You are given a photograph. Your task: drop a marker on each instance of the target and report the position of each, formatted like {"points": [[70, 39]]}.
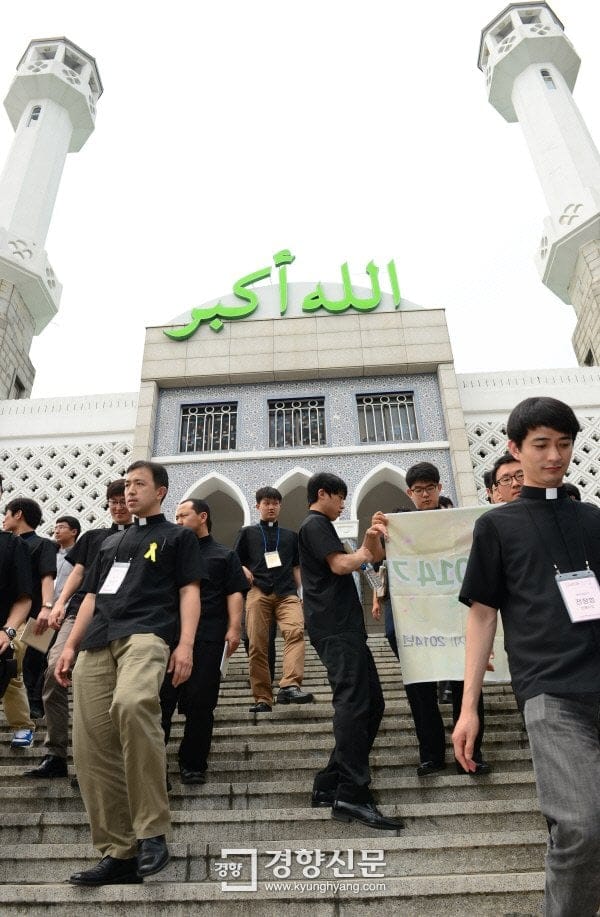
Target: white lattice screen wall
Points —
{"points": [[69, 479], [487, 441]]}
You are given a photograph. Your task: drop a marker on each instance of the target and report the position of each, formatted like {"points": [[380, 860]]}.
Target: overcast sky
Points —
{"points": [[341, 130]]}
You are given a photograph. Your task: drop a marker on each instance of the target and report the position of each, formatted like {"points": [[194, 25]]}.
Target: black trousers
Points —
{"points": [[423, 699], [34, 670], [197, 699], [358, 707]]}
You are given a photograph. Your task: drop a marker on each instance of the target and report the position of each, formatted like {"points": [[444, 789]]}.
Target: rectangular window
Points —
{"points": [[297, 422], [503, 30], [208, 427], [529, 17], [547, 78], [387, 418]]}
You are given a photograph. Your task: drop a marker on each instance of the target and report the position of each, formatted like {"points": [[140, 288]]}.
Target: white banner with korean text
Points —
{"points": [[426, 560]]}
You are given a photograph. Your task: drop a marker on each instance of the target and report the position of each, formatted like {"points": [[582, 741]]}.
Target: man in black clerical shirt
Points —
{"points": [[22, 516], [62, 618], [269, 555], [334, 620], [537, 559], [222, 586], [424, 488], [142, 590], [16, 587]]}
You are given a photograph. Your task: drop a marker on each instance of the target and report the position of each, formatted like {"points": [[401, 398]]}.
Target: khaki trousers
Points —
{"points": [[16, 702], [56, 698], [118, 743], [287, 611]]}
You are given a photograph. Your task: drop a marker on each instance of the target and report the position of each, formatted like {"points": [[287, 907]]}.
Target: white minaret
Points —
{"points": [[530, 68], [52, 106]]}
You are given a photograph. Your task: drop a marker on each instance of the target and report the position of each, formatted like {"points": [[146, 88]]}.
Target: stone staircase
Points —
{"points": [[470, 846]]}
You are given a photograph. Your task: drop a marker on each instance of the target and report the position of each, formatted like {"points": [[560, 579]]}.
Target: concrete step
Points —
{"points": [[487, 895], [390, 856], [246, 826], [454, 856], [399, 788]]}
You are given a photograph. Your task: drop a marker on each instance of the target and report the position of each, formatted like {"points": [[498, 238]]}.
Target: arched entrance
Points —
{"points": [[294, 508], [228, 507]]}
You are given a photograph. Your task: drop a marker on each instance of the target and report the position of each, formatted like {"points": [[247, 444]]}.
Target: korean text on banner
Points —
{"points": [[426, 559]]}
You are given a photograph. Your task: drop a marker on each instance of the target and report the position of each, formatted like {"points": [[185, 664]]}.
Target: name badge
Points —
{"points": [[272, 559], [581, 594], [116, 575]]}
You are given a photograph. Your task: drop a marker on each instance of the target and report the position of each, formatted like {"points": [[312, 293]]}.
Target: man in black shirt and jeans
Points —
{"points": [[537, 559], [334, 620], [269, 555], [143, 589], [222, 586]]}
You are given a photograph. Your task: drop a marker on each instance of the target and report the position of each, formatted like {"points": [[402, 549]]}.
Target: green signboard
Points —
{"points": [[215, 316]]}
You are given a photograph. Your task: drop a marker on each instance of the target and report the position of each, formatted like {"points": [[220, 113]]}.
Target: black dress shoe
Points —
{"points": [[51, 766], [481, 768], [36, 712], [153, 855], [260, 707], [426, 768], [191, 777], [365, 812], [294, 695], [322, 799], [109, 871]]}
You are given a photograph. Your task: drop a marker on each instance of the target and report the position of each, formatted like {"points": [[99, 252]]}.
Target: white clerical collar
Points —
{"points": [[551, 493]]}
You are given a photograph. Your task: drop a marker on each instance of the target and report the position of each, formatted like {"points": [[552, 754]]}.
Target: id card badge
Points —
{"points": [[272, 559], [581, 594], [116, 575]]}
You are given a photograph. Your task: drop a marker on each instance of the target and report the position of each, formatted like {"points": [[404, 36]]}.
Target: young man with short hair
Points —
{"points": [[507, 478], [67, 530], [269, 555], [222, 586], [22, 516], [537, 560], [424, 488], [16, 587], [62, 618], [142, 585], [335, 624]]}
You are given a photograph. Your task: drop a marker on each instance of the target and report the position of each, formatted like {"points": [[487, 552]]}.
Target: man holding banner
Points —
{"points": [[537, 559], [334, 619], [424, 487]]}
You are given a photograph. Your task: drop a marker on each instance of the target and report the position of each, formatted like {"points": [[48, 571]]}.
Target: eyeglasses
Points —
{"points": [[507, 479], [420, 491], [117, 503]]}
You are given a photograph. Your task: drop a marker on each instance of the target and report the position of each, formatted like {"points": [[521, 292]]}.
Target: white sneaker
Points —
{"points": [[23, 738]]}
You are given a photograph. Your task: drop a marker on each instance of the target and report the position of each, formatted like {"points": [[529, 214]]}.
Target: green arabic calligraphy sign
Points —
{"points": [[216, 315]]}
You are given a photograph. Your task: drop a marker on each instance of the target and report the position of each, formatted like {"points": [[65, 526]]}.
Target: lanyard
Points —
{"points": [[262, 532], [543, 540]]}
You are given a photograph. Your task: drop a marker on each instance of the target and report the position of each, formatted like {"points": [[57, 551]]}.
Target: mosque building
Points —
{"points": [[281, 377]]}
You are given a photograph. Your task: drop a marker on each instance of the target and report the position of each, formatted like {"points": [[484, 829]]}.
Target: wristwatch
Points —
{"points": [[47, 605], [10, 632]]}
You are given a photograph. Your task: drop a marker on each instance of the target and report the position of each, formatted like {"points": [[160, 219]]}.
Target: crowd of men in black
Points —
{"points": [[144, 614]]}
